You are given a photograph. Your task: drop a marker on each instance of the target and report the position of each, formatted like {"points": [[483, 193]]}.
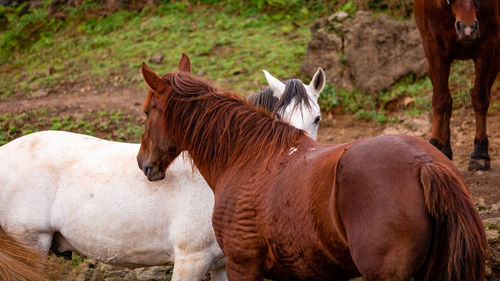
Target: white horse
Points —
{"points": [[65, 191]]}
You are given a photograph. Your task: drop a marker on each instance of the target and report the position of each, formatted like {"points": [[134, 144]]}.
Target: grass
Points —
{"points": [[419, 90], [107, 124], [228, 49], [227, 45]]}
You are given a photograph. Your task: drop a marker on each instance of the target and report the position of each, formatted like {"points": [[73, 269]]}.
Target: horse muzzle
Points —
{"points": [[153, 173], [467, 32]]}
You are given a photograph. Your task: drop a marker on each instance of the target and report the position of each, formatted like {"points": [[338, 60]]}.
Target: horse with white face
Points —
{"points": [[66, 191], [294, 101]]}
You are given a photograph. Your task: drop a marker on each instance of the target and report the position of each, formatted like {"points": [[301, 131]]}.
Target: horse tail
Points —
{"points": [[18, 262], [458, 248]]}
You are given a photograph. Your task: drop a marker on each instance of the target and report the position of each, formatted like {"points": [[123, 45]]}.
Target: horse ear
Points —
{"points": [[184, 63], [152, 79], [276, 85], [318, 81]]}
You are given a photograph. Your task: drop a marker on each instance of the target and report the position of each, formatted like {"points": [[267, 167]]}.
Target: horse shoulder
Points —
{"points": [[235, 214]]}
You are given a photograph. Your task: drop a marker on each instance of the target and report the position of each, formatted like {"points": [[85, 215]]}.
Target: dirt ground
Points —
{"points": [[484, 186]]}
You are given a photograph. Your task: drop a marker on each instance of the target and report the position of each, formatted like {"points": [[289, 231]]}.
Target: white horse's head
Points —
{"points": [[298, 102]]}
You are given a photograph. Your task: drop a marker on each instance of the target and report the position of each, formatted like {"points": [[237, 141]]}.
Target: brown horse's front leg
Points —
{"points": [[250, 271], [439, 70], [486, 72]]}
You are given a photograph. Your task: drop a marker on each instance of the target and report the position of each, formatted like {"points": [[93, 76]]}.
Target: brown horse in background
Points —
{"points": [[288, 208], [20, 263], [460, 29]]}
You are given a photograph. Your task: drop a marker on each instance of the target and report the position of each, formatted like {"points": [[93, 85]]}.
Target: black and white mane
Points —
{"points": [[294, 90]]}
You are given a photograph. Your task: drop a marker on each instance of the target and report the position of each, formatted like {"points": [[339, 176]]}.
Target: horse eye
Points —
{"points": [[316, 121], [278, 116], [147, 113]]}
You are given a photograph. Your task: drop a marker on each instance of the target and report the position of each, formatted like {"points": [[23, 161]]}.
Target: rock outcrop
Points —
{"points": [[366, 51]]}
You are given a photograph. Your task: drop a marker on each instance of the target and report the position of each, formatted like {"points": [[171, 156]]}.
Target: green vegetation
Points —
{"points": [[112, 125], [492, 225], [229, 42], [76, 259], [418, 92]]}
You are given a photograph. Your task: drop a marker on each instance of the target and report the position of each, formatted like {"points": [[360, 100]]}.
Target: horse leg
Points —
{"points": [[248, 271], [38, 240], [388, 234], [191, 267], [219, 274], [486, 72], [439, 70], [44, 241], [61, 247], [394, 260]]}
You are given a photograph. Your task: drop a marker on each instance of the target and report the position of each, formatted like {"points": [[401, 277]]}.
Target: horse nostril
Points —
{"points": [[148, 169], [475, 26], [467, 31], [458, 26]]}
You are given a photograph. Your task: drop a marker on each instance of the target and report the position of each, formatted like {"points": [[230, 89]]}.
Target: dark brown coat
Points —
{"points": [[463, 29]]}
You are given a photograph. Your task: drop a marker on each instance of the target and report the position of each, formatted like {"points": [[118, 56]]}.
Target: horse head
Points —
{"points": [[158, 149], [298, 102], [466, 23]]}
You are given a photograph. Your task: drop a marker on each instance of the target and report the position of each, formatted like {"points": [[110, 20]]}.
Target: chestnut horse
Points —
{"points": [[460, 29], [289, 208]]}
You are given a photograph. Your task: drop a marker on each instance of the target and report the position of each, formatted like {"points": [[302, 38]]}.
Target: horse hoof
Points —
{"points": [[67, 255], [445, 149], [479, 165]]}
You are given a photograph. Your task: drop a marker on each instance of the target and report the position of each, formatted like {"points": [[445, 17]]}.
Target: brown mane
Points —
{"points": [[440, 3], [236, 131]]}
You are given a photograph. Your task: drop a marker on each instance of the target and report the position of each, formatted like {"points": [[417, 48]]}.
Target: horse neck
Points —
{"points": [[222, 131]]}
